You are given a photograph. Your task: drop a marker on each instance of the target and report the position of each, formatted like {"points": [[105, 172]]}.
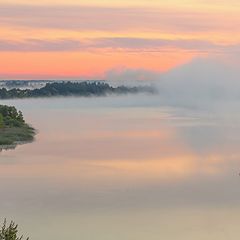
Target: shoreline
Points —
{"points": [[10, 137]]}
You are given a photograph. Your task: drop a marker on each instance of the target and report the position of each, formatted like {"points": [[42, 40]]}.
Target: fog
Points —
{"points": [[201, 82]]}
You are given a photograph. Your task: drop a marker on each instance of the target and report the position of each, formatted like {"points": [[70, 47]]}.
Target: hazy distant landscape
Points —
{"points": [[68, 88], [119, 120]]}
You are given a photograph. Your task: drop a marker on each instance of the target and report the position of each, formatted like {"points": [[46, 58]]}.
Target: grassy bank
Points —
{"points": [[13, 128], [13, 135]]}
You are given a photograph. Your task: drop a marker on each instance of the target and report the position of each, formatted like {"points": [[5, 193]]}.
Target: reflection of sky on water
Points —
{"points": [[117, 168]]}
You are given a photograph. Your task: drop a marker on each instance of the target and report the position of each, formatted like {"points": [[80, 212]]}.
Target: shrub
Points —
{"points": [[10, 232]]}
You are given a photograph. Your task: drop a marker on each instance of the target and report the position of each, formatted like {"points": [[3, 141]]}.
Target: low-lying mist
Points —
{"points": [[202, 82]]}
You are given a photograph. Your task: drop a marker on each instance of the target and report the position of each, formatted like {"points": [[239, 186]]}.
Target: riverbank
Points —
{"points": [[15, 135]]}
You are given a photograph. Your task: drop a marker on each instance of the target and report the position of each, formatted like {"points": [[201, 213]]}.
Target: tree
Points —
{"points": [[10, 117], [20, 117], [9, 232]]}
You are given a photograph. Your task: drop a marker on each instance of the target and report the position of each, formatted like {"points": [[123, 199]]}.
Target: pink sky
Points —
{"points": [[79, 39]]}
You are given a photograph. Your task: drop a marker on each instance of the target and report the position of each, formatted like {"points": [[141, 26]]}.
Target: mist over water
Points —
{"points": [[124, 167], [203, 82]]}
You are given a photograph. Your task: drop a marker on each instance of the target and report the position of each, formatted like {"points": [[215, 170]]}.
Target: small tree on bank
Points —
{"points": [[9, 232]]}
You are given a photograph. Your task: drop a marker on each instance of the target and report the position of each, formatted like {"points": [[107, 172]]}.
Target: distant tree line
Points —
{"points": [[85, 88]]}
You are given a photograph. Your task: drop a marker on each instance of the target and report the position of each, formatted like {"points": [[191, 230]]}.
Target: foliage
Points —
{"points": [[12, 135], [13, 127], [85, 88], [11, 117], [10, 232]]}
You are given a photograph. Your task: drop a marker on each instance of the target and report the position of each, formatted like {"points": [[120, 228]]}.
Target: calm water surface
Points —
{"points": [[124, 168]]}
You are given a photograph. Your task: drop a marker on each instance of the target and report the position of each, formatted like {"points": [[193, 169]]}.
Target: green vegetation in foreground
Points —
{"points": [[10, 232], [13, 128], [84, 89]]}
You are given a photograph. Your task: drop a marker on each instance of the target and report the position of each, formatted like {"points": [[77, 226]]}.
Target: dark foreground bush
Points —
{"points": [[10, 231]]}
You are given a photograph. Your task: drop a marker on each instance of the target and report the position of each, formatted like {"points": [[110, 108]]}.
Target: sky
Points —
{"points": [[79, 39]]}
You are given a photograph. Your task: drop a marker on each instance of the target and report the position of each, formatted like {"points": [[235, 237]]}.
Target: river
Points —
{"points": [[124, 168]]}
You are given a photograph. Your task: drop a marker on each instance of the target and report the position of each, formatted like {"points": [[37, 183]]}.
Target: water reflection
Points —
{"points": [[7, 147], [13, 146], [115, 169]]}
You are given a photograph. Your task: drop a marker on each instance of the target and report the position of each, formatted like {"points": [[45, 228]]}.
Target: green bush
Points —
{"points": [[10, 117], [13, 128], [10, 232]]}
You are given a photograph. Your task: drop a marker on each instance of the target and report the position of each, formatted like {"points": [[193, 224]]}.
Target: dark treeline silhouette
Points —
{"points": [[71, 89]]}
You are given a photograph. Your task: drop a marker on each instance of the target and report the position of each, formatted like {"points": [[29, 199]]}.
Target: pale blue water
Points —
{"points": [[124, 168]]}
